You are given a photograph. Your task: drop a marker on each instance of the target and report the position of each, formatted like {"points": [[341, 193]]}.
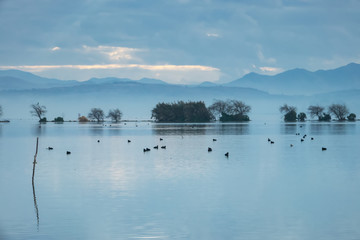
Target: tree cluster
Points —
{"points": [[98, 115], [230, 110], [339, 111], [181, 112]]}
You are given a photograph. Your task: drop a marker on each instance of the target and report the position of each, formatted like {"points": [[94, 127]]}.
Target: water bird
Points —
{"points": [[156, 147], [269, 140], [98, 141], [304, 136], [291, 145], [209, 149], [312, 138], [323, 148], [214, 139], [68, 152], [146, 149], [272, 142], [302, 140], [161, 139], [129, 141], [50, 148], [227, 154], [163, 147]]}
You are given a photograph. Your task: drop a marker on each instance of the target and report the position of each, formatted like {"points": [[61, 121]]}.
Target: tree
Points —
{"points": [[218, 107], [286, 108], [316, 110], [301, 117], [83, 119], [230, 111], [289, 113], [290, 116], [238, 108], [38, 111], [351, 117], [339, 111], [181, 112], [59, 120], [96, 114], [325, 117], [115, 115]]}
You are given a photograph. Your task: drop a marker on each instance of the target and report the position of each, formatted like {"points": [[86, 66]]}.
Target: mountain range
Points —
{"points": [[136, 98]]}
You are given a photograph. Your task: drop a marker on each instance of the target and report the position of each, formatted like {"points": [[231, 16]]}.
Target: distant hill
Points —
{"points": [[18, 80], [301, 81]]}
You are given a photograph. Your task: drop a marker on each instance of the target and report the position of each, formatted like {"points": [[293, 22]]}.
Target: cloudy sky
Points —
{"points": [[179, 41]]}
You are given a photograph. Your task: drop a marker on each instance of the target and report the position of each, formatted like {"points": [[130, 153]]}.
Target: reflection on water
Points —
{"points": [[201, 129], [332, 128], [290, 128], [39, 129]]}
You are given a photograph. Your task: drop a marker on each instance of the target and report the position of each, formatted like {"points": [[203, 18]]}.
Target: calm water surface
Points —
{"points": [[113, 190]]}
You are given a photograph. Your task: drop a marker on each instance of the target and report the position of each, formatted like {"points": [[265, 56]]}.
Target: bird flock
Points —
{"points": [[147, 149]]}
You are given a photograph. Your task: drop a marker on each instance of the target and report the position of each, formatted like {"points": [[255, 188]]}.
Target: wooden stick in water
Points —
{"points": [[37, 145]]}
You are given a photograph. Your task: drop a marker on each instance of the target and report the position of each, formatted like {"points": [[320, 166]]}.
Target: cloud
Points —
{"points": [[55, 49], [271, 70], [212, 35], [177, 74], [114, 53], [167, 67]]}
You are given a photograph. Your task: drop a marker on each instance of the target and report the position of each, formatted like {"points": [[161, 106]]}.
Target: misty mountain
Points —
{"points": [[122, 80], [16, 79], [301, 81], [20, 80]]}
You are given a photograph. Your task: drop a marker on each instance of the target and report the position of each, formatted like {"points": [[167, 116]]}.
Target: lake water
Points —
{"points": [[113, 190]]}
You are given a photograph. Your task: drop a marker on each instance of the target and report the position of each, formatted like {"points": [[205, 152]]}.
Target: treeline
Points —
{"points": [[225, 111], [339, 111], [192, 111]]}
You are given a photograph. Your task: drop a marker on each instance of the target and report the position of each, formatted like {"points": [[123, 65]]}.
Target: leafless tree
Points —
{"points": [[96, 114], [115, 115], [238, 107], [218, 107], [286, 108], [339, 111], [316, 110], [38, 111]]}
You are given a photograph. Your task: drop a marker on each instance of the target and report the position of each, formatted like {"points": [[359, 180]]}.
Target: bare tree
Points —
{"points": [[218, 107], [339, 111], [115, 115], [239, 107], [96, 114], [289, 113], [316, 110], [286, 108], [38, 111]]}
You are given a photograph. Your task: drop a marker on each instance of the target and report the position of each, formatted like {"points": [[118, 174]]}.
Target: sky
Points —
{"points": [[178, 41]]}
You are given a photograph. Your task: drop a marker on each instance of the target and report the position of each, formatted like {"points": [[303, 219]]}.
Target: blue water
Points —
{"points": [[113, 190]]}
